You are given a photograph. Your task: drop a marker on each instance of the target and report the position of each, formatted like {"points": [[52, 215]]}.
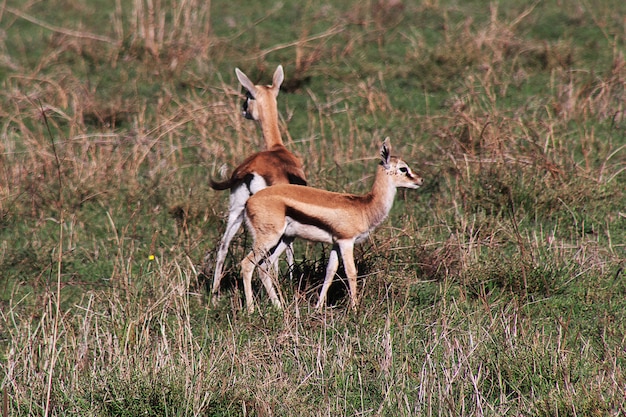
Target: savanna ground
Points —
{"points": [[496, 289]]}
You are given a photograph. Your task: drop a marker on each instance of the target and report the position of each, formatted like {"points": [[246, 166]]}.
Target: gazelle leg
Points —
{"points": [[347, 255], [266, 279], [247, 269], [261, 253], [290, 259], [331, 270], [238, 199], [234, 222]]}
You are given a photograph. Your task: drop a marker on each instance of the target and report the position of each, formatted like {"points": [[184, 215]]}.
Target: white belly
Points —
{"points": [[306, 231]]}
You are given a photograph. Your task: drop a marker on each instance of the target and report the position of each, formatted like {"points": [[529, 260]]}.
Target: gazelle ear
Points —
{"points": [[245, 82], [385, 153], [279, 77]]}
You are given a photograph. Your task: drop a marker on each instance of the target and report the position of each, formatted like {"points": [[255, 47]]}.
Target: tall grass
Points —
{"points": [[496, 289]]}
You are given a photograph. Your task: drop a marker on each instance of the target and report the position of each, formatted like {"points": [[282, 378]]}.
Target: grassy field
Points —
{"points": [[497, 289]]}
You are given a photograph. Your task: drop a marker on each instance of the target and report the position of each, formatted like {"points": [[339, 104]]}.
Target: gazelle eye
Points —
{"points": [[404, 170]]}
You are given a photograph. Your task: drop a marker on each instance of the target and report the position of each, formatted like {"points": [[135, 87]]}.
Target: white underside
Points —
{"points": [[305, 231], [294, 228]]}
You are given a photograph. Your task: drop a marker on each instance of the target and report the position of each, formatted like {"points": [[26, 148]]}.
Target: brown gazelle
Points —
{"points": [[275, 165], [277, 215]]}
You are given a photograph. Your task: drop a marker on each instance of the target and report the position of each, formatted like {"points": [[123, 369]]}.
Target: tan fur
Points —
{"points": [[264, 107], [275, 165], [278, 214]]}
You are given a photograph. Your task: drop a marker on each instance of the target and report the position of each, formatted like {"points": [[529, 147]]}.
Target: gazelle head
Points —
{"points": [[259, 97], [397, 169]]}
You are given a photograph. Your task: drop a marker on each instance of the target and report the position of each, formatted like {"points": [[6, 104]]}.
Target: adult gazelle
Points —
{"points": [[275, 165]]}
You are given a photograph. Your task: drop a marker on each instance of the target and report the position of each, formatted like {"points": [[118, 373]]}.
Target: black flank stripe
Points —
{"points": [[307, 219]]}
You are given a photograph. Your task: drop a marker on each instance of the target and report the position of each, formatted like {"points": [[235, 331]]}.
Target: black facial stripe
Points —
{"points": [[244, 106]]}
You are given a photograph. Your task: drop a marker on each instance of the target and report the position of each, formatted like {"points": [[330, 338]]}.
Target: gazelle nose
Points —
{"points": [[419, 181]]}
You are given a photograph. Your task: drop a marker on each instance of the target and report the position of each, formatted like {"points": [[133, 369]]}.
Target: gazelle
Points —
{"points": [[275, 165], [277, 215], [260, 105]]}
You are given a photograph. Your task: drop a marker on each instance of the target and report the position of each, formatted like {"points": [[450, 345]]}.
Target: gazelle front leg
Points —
{"points": [[347, 255]]}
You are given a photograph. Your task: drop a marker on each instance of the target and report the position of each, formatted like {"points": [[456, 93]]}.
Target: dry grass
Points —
{"points": [[497, 289]]}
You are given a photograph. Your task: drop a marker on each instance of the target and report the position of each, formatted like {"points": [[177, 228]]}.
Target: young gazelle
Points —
{"points": [[275, 165], [278, 214]]}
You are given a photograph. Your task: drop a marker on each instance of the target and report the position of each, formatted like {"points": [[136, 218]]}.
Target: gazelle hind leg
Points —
{"points": [[262, 252], [331, 270], [234, 222], [238, 199], [290, 259], [266, 278], [247, 269]]}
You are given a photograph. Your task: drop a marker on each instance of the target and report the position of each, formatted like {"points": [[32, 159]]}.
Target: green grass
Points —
{"points": [[496, 289]]}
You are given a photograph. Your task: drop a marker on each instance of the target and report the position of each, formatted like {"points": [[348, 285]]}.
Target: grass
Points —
{"points": [[496, 289]]}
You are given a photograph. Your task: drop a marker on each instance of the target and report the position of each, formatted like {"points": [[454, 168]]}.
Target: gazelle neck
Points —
{"points": [[381, 197], [271, 135], [269, 127]]}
